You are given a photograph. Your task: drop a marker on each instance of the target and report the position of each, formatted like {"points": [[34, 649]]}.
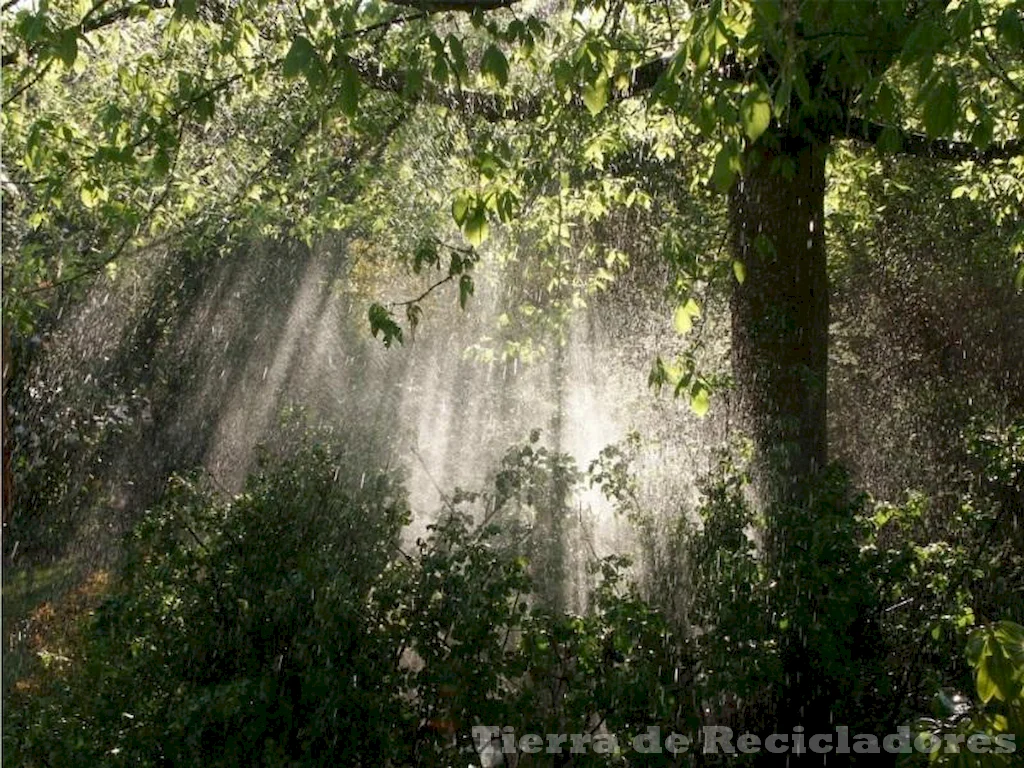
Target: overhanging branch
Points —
{"points": [[463, 6], [492, 107], [919, 145]]}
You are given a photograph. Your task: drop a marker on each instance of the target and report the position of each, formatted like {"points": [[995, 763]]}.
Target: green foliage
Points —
{"points": [[382, 322], [208, 123], [235, 624], [993, 723], [860, 609], [288, 626]]}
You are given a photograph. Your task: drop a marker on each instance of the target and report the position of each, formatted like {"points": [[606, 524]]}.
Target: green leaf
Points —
{"points": [[494, 65], [700, 402], [682, 322], [727, 165], [413, 83], [756, 113], [1011, 637], [595, 95], [299, 56], [967, 19], [987, 688], [348, 96], [440, 70], [426, 255], [684, 315], [458, 55], [465, 290], [783, 96], [802, 87], [977, 647], [381, 322], [475, 226], [460, 208], [67, 46], [885, 103], [1010, 27], [983, 131], [940, 107], [1018, 281], [89, 197], [700, 52], [739, 271]]}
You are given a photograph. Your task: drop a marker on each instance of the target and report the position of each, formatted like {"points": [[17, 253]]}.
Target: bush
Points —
{"points": [[291, 626], [287, 627], [240, 630]]}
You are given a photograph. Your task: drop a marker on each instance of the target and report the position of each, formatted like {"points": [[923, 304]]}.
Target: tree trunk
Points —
{"points": [[780, 318], [6, 475], [780, 313]]}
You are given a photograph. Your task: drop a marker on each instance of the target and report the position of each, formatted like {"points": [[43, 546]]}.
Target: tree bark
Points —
{"points": [[780, 313], [6, 474], [780, 319]]}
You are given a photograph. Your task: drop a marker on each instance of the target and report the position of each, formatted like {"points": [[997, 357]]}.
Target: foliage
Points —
{"points": [[866, 599], [148, 122], [995, 720], [209, 637], [287, 626]]}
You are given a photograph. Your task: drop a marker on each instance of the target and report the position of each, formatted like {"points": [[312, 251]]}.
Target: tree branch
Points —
{"points": [[93, 21], [128, 236], [493, 107], [433, 287], [463, 6], [919, 145]]}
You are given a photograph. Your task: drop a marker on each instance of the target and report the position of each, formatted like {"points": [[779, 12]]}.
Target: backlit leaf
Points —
{"points": [[475, 226], [700, 402], [727, 165], [739, 271], [756, 113], [595, 95]]}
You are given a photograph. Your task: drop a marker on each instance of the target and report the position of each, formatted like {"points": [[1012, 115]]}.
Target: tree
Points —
{"points": [[766, 88], [136, 122]]}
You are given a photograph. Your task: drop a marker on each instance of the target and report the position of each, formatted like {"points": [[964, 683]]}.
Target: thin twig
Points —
{"points": [[39, 75], [423, 295]]}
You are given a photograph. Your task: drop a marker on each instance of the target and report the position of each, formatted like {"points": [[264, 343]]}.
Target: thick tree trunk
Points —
{"points": [[780, 318], [780, 313]]}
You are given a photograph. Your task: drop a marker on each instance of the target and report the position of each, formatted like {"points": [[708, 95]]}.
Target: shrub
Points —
{"points": [[286, 626]]}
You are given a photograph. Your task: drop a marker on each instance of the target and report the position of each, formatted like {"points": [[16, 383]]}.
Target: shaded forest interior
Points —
{"points": [[386, 383]]}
